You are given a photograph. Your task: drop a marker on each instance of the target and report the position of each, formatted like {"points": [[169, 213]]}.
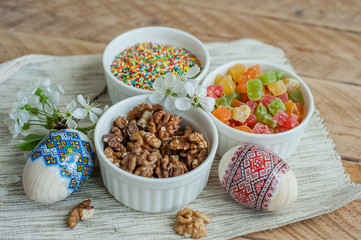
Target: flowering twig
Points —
{"points": [[38, 108]]}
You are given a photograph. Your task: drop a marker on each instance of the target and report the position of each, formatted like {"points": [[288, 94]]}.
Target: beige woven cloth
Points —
{"points": [[323, 184]]}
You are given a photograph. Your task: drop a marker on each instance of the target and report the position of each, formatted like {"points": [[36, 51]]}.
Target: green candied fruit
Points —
{"points": [[296, 96], [269, 121], [235, 95], [260, 112], [223, 101], [268, 77], [226, 99], [279, 76], [276, 105], [254, 89]]}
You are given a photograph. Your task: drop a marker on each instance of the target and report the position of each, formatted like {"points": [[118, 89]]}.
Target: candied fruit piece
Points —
{"points": [[268, 77], [283, 97], [251, 120], [253, 72], [236, 71], [290, 107], [233, 123], [291, 84], [223, 101], [215, 91], [280, 129], [296, 96], [222, 113], [252, 105], [276, 105], [219, 78], [300, 109], [267, 99], [260, 112], [237, 103], [280, 117], [279, 75], [291, 121], [261, 128], [241, 113], [269, 121], [254, 89], [242, 84], [229, 85], [244, 128], [277, 88]]}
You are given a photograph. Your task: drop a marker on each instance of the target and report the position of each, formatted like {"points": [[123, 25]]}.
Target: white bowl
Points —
{"points": [[151, 194], [285, 143], [169, 36]]}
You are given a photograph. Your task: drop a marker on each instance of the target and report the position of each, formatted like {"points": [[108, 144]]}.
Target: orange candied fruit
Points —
{"points": [[244, 128], [253, 72], [237, 103], [222, 113]]}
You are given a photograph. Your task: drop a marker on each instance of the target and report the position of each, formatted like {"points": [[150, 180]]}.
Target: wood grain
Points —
{"points": [[321, 38]]}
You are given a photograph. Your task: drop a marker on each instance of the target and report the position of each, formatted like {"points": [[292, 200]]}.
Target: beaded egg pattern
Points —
{"points": [[252, 176], [68, 155]]}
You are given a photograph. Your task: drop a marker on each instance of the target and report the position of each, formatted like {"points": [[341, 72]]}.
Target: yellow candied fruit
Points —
{"points": [[228, 84], [241, 113], [291, 84], [277, 88], [236, 71], [219, 78]]}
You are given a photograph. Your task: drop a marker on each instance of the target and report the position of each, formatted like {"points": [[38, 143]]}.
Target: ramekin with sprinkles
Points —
{"points": [[141, 64]]}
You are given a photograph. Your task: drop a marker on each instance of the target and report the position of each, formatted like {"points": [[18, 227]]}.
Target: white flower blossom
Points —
{"points": [[190, 74], [168, 88], [196, 96], [89, 108], [68, 115], [52, 94]]}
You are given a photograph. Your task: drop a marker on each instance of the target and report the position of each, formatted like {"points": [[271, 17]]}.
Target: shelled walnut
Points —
{"points": [[150, 143], [190, 223]]}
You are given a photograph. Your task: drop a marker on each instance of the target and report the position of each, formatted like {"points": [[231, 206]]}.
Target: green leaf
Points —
{"points": [[33, 137], [28, 146], [30, 143]]}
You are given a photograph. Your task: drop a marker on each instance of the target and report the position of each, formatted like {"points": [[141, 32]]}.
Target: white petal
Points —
{"points": [[158, 84], [201, 91], [208, 103], [23, 117], [45, 84], [55, 97], [169, 80], [178, 87], [192, 72], [16, 129], [93, 117], [106, 107], [81, 100], [91, 134], [24, 132], [97, 111], [169, 103], [156, 97], [3, 192], [12, 179], [7, 121], [80, 113], [71, 123], [189, 87], [60, 89], [71, 106], [183, 103]]}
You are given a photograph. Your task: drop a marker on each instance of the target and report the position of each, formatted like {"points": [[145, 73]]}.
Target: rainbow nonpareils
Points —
{"points": [[142, 63]]}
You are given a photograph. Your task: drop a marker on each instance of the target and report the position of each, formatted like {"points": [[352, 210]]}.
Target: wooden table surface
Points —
{"points": [[321, 38]]}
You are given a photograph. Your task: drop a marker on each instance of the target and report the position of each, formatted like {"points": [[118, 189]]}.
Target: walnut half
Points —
{"points": [[190, 223]]}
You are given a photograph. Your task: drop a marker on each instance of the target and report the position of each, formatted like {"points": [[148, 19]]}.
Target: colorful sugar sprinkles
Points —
{"points": [[142, 63], [250, 101]]}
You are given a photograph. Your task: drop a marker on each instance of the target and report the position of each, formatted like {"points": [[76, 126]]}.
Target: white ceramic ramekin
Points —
{"points": [[150, 194], [169, 36], [285, 143]]}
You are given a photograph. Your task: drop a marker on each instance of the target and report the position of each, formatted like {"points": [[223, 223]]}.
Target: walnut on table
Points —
{"points": [[190, 223], [81, 212]]}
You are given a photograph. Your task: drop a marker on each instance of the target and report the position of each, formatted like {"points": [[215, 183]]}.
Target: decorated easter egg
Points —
{"points": [[257, 178], [58, 166]]}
